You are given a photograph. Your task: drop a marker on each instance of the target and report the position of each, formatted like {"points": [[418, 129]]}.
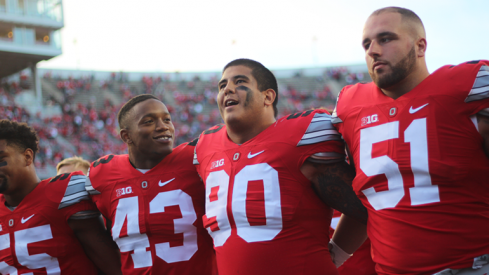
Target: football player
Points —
{"points": [[263, 177], [418, 142], [73, 164], [153, 198], [49, 226]]}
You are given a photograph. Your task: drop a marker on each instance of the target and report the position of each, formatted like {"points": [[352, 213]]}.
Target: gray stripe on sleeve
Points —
{"points": [[320, 129], [75, 192], [480, 89], [89, 187]]}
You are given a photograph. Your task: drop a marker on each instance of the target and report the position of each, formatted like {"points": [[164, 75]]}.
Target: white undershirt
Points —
{"points": [[143, 170]]}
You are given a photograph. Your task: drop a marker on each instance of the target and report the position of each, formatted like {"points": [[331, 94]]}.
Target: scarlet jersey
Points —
{"points": [[35, 237], [421, 169], [261, 211], [360, 263], [156, 216]]}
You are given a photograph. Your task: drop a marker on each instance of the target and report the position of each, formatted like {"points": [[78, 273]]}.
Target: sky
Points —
{"points": [[204, 35]]}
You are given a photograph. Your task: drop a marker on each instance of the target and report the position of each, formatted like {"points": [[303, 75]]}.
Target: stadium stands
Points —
{"points": [[86, 123]]}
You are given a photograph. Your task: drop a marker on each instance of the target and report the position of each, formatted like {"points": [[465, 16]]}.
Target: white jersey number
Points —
{"points": [[128, 208], [423, 191], [35, 261], [217, 185]]}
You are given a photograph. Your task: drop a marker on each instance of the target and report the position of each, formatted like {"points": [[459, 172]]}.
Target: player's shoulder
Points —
{"points": [[210, 135], [214, 130], [107, 165], [309, 127], [66, 189], [471, 79], [181, 157], [299, 118], [356, 93], [469, 67]]}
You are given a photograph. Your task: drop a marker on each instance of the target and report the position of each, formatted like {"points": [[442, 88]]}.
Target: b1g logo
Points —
{"points": [[123, 191], [217, 163], [370, 119]]}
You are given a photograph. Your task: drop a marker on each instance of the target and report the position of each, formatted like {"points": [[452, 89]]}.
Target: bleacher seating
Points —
{"points": [[87, 124]]}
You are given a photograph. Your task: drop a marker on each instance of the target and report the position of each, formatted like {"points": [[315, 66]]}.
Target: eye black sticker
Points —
{"points": [[3, 163]]}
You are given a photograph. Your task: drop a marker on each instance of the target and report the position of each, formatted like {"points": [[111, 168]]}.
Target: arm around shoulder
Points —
{"points": [[332, 182], [97, 244]]}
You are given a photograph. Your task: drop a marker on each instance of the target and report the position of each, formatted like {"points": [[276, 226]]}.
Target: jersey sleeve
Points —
{"points": [[68, 191], [315, 136], [99, 175], [480, 87]]}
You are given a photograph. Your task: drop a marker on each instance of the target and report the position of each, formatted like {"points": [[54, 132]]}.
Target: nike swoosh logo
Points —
{"points": [[24, 220], [254, 155], [165, 183], [412, 111]]}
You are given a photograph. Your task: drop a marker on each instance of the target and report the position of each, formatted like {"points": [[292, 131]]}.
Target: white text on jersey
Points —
{"points": [[370, 119], [123, 191], [217, 163]]}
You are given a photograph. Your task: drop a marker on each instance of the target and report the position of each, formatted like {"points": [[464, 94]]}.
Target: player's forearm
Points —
{"points": [[332, 183], [97, 244], [350, 234]]}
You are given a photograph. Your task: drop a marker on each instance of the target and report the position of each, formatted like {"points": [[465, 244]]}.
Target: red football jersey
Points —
{"points": [[261, 211], [361, 262], [421, 169], [156, 216], [35, 237]]}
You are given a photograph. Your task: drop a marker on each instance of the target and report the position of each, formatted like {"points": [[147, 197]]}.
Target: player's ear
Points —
{"points": [[421, 46], [28, 156], [124, 134], [270, 96]]}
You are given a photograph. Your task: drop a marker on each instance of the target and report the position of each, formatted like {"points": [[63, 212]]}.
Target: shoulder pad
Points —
{"points": [[320, 129], [75, 191]]}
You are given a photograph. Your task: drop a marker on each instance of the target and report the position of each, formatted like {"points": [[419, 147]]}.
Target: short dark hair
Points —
{"points": [[19, 134], [264, 77], [405, 13], [121, 116]]}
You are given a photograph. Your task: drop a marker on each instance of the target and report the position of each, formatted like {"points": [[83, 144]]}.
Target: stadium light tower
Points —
{"points": [[29, 33]]}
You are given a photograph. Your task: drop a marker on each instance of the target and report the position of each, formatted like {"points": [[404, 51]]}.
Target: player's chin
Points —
{"points": [[163, 151]]}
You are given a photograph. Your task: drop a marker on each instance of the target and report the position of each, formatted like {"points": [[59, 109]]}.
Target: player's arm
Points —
{"points": [[332, 182], [97, 243], [349, 235], [483, 124]]}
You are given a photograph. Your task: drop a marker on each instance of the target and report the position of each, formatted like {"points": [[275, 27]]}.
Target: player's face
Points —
{"points": [[389, 49], [11, 162], [239, 97], [151, 130]]}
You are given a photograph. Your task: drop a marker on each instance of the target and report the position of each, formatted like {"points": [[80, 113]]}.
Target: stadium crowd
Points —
{"points": [[85, 130]]}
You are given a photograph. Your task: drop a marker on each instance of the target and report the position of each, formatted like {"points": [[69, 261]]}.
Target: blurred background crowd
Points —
{"points": [[79, 114]]}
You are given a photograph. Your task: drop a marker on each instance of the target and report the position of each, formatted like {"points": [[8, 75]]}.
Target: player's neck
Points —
{"points": [[144, 162], [407, 84], [240, 134], [15, 197]]}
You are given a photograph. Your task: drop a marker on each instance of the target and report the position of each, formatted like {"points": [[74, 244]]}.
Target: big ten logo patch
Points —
{"points": [[123, 191], [370, 119], [217, 163]]}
